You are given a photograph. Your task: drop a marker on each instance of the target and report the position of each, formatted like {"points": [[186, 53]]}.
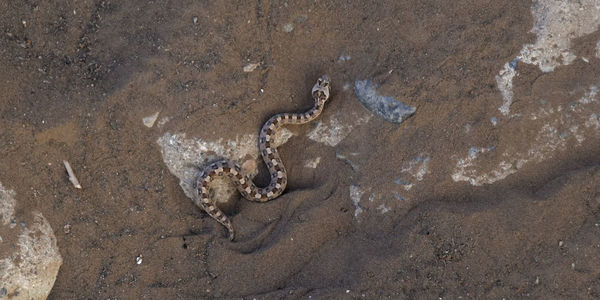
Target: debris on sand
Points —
{"points": [[149, 120], [355, 195], [343, 58], [313, 163], [386, 107], [289, 27], [251, 67], [72, 177]]}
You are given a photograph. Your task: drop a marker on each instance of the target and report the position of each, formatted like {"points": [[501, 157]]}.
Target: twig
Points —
{"points": [[72, 177]]}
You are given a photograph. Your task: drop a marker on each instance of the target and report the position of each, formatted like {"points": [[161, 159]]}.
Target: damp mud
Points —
{"points": [[458, 155]]}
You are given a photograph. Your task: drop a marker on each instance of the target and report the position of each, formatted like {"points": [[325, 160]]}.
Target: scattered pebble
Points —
{"points": [[347, 86], [383, 209], [3, 292], [163, 121], [113, 124], [251, 67], [400, 181], [149, 120], [398, 196], [67, 228], [386, 107], [287, 27], [494, 121], [537, 280], [343, 58], [138, 260], [195, 19], [560, 243], [313, 163]]}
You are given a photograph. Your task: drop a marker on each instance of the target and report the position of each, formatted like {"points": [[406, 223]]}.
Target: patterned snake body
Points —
{"points": [[243, 183]]}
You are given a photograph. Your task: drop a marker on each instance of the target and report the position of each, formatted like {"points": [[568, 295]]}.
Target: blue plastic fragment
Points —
{"points": [[400, 181], [397, 195], [386, 107], [514, 63]]}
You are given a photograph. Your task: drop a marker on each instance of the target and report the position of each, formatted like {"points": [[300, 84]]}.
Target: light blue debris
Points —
{"points": [[398, 196], [514, 63], [343, 58], [419, 158], [473, 151], [565, 134], [494, 121], [386, 107], [400, 181]]}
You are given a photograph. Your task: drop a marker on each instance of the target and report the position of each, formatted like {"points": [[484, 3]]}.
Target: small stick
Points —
{"points": [[72, 177]]}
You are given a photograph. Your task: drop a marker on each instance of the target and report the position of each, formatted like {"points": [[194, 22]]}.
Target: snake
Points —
{"points": [[278, 174]]}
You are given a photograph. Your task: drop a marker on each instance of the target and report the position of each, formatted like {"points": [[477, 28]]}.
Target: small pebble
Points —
{"points": [[560, 243], [287, 27], [195, 20], [3, 292], [398, 196], [343, 58], [138, 260], [67, 228], [149, 120], [251, 67], [347, 86], [494, 121]]}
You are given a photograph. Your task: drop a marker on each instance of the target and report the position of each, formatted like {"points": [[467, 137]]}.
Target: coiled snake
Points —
{"points": [[320, 93]]}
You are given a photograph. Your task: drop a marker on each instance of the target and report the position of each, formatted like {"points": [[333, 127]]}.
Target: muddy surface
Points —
{"points": [[462, 199]]}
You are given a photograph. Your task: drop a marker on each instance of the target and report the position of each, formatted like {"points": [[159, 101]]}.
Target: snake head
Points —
{"points": [[320, 90]]}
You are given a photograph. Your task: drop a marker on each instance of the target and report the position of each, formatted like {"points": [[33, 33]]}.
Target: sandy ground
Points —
{"points": [[490, 190]]}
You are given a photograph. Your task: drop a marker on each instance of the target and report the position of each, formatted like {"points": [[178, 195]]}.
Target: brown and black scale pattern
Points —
{"points": [[243, 183]]}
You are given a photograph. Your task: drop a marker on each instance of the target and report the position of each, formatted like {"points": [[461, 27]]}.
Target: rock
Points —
{"points": [[251, 67], [30, 268], [386, 107], [289, 27], [149, 120], [185, 158]]}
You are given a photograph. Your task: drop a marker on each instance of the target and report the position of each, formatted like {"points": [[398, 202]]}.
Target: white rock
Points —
{"points": [[149, 120], [30, 269], [251, 67]]}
